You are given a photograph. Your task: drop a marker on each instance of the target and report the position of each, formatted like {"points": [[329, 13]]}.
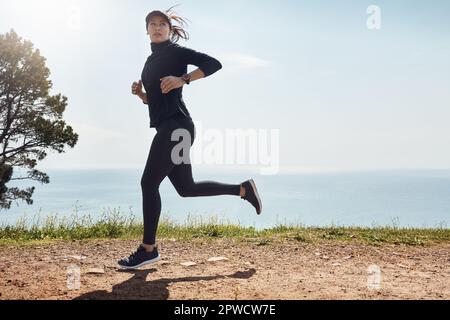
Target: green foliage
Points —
{"points": [[31, 119], [114, 224]]}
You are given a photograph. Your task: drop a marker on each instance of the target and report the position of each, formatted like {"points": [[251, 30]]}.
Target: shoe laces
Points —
{"points": [[134, 253]]}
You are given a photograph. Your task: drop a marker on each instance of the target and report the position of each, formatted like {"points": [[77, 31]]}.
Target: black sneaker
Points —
{"points": [[140, 258], [251, 195]]}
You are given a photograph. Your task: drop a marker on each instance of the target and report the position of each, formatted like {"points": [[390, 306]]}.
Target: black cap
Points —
{"points": [[158, 13]]}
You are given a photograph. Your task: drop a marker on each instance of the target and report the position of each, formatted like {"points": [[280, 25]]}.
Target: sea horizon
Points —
{"points": [[387, 197]]}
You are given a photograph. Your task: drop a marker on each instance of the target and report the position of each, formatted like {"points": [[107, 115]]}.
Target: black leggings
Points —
{"points": [[160, 165]]}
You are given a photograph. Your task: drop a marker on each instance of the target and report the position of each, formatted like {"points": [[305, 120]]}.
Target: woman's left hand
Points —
{"points": [[169, 83]]}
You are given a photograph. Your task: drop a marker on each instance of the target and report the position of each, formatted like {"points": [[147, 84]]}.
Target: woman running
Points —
{"points": [[163, 77]]}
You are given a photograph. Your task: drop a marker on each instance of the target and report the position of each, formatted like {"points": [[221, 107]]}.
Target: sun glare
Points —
{"points": [[49, 14]]}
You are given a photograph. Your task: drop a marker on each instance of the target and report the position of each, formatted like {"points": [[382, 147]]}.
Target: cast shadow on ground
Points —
{"points": [[138, 288]]}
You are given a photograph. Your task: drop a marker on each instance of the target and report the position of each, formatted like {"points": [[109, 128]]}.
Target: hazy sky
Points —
{"points": [[342, 96]]}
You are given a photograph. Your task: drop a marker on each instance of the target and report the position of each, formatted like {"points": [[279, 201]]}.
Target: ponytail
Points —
{"points": [[178, 31]]}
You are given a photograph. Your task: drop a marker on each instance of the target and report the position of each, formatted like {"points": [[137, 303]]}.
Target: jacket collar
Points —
{"points": [[156, 47]]}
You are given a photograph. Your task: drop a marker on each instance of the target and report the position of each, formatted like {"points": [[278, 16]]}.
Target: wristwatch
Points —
{"points": [[186, 78]]}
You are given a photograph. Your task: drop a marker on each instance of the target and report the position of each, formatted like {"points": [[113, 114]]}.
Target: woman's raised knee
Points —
{"points": [[148, 183]]}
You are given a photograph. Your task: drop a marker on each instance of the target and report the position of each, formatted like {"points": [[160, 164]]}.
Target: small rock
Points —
{"points": [[96, 271], [336, 264], [317, 253], [163, 263], [325, 257], [188, 264], [347, 257], [76, 257], [215, 259]]}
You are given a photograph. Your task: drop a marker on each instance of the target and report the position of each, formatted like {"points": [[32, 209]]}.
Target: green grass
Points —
{"points": [[114, 225]]}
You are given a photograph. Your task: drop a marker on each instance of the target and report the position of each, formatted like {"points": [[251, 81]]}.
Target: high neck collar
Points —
{"points": [[156, 47]]}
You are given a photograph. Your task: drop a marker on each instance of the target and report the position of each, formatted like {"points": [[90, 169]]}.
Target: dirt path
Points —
{"points": [[289, 270]]}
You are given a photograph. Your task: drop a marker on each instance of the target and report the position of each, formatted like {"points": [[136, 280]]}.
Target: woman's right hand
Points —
{"points": [[136, 88]]}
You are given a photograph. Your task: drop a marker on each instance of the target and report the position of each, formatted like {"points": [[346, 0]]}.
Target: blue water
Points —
{"points": [[408, 198]]}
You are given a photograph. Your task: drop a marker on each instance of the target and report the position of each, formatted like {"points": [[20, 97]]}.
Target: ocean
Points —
{"points": [[402, 198]]}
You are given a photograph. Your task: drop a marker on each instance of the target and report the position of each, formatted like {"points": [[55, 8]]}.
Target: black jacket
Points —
{"points": [[171, 59]]}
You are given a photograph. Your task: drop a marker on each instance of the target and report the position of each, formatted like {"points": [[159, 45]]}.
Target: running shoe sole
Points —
{"points": [[141, 264], [255, 191]]}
